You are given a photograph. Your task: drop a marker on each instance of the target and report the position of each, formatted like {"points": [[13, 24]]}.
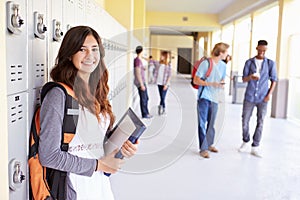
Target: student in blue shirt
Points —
{"points": [[257, 73], [208, 98]]}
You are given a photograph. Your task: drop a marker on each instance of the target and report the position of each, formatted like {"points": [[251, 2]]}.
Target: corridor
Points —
{"points": [[168, 165]]}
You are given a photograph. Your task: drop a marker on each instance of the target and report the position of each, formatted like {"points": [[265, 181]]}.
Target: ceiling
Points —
{"points": [[192, 6]]}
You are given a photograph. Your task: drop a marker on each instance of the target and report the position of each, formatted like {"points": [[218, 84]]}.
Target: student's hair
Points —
{"points": [[138, 49], [94, 95], [219, 48], [166, 56], [262, 42]]}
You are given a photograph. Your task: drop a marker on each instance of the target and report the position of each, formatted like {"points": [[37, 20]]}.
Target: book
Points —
{"points": [[129, 127]]}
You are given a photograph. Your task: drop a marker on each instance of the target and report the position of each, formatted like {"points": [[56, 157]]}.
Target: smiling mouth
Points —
{"points": [[88, 63]]}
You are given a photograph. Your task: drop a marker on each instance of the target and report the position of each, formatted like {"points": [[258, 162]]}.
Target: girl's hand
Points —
{"points": [[128, 149], [109, 163]]}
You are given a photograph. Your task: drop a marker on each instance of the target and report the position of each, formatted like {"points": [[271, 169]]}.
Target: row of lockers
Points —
{"points": [[35, 29]]}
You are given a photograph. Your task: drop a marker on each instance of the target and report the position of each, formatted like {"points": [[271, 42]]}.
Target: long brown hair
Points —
{"points": [[94, 95], [166, 56]]}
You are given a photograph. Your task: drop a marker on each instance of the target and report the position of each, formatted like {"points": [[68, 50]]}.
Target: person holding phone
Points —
{"points": [[258, 71]]}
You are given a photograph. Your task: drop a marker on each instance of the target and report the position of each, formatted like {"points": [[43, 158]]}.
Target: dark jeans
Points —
{"points": [[207, 112], [162, 94], [247, 113], [144, 101]]}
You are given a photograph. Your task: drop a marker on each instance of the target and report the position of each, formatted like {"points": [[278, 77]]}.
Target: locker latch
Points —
{"points": [[57, 32], [16, 175], [39, 26], [14, 20]]}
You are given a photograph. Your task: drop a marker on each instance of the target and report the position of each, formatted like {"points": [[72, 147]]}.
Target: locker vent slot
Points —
{"points": [[17, 112], [16, 73]]}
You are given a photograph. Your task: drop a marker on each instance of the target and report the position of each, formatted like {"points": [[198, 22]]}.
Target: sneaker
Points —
{"points": [[244, 147], [204, 154], [148, 116], [159, 109], [163, 111], [255, 152], [213, 149]]}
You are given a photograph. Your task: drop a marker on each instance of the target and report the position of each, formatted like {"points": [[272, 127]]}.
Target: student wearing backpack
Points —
{"points": [[258, 71], [208, 92], [80, 66]]}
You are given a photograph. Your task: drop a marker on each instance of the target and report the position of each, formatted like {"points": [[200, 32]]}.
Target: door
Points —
{"points": [[184, 65]]}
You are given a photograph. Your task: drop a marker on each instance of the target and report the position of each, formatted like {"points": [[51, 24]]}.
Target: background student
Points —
{"points": [[258, 71], [140, 82], [208, 97], [162, 77]]}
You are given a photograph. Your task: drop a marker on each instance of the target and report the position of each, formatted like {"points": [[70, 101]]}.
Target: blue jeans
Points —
{"points": [[162, 94], [207, 113], [247, 113], [144, 101]]}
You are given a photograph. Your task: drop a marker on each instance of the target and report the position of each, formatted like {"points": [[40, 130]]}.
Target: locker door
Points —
{"points": [[17, 144], [37, 44], [56, 33], [16, 43], [17, 96], [68, 14], [80, 17]]}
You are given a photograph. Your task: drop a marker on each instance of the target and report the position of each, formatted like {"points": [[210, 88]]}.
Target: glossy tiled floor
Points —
{"points": [[168, 166]]}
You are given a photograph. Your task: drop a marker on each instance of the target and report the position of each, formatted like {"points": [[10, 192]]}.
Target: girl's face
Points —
{"points": [[87, 58]]}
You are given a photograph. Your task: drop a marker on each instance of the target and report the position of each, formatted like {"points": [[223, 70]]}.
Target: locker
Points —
{"points": [[37, 43], [16, 43], [17, 143], [80, 17], [68, 14], [55, 33]]}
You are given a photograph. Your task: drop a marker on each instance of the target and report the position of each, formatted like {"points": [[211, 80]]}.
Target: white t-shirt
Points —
{"points": [[88, 143], [160, 74], [258, 63]]}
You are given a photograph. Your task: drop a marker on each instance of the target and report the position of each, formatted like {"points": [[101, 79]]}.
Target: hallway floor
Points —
{"points": [[168, 166]]}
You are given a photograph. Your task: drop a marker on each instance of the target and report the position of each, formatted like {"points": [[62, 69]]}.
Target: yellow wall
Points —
{"points": [[175, 19], [121, 10], [3, 110], [139, 22], [139, 14]]}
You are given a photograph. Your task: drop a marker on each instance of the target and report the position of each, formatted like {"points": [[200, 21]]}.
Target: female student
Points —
{"points": [[162, 76], [80, 66]]}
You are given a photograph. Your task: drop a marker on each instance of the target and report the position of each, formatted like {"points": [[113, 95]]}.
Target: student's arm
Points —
{"points": [[50, 154], [271, 89], [247, 75], [137, 71]]}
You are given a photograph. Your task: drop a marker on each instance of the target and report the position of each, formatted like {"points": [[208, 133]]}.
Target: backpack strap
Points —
{"points": [[55, 178], [70, 113], [210, 66], [207, 74]]}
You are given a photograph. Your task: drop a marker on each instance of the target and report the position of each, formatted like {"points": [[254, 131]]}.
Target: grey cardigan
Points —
{"points": [[50, 154]]}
